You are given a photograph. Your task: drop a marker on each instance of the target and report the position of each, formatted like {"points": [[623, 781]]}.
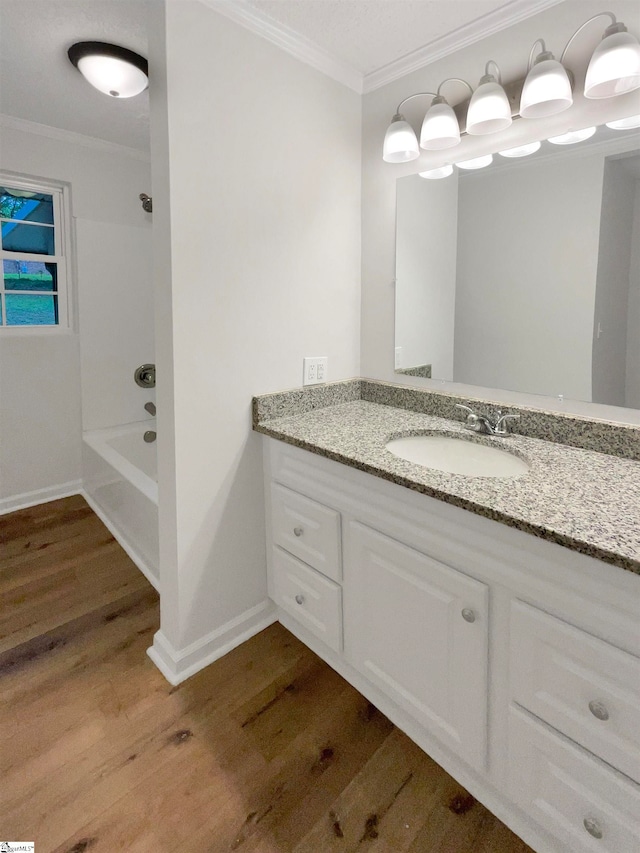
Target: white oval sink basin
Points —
{"points": [[458, 456]]}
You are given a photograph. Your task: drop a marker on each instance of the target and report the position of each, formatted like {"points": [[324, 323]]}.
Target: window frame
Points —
{"points": [[60, 193]]}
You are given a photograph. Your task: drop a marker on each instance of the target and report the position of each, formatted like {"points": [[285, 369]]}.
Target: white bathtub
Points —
{"points": [[120, 484]]}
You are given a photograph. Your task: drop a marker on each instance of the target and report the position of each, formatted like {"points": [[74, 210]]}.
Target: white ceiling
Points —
{"points": [[349, 39], [369, 34]]}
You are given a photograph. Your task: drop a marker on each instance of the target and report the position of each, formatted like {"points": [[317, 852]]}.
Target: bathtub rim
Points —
{"points": [[97, 441]]}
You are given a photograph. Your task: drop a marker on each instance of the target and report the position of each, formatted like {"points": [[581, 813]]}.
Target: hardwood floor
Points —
{"points": [[265, 751]]}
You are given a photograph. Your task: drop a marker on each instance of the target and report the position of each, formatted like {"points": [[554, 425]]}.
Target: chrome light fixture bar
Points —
{"points": [[111, 69], [614, 69]]}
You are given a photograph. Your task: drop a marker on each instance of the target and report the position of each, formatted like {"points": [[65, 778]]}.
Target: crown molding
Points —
{"points": [[487, 25], [70, 136], [288, 40]]}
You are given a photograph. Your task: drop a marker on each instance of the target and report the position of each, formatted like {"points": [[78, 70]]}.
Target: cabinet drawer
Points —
{"points": [[581, 801], [582, 686], [307, 529], [308, 596]]}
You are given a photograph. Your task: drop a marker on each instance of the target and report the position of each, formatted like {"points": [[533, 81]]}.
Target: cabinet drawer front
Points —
{"points": [[582, 686], [418, 630], [569, 792], [307, 529], [308, 596]]}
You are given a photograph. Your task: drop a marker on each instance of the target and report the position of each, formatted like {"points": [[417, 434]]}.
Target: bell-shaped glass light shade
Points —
{"points": [[113, 70], [440, 128], [521, 150], [615, 66], [546, 91], [440, 172], [621, 124], [573, 136], [489, 110], [476, 163], [400, 142]]}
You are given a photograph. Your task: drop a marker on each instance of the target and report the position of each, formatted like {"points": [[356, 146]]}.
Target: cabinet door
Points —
{"points": [[418, 630]]}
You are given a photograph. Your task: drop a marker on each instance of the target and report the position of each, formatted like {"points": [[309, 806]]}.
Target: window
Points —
{"points": [[34, 250]]}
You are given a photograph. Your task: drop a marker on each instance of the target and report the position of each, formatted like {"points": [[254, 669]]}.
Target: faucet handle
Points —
{"points": [[500, 428], [472, 421], [465, 408]]}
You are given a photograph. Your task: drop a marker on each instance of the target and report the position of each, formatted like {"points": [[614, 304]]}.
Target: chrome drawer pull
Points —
{"points": [[298, 531], [299, 599], [593, 827], [599, 710], [468, 615]]}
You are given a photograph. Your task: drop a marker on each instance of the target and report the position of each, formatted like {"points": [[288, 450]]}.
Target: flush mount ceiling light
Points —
{"points": [[573, 136], [625, 123], [547, 87], [521, 150], [476, 163], [489, 109], [440, 172], [111, 69]]}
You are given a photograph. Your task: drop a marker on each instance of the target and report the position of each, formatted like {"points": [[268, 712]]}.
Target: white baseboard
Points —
{"points": [[124, 543], [40, 496], [179, 664]]}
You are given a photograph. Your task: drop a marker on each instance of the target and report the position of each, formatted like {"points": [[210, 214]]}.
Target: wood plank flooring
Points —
{"points": [[266, 751]]}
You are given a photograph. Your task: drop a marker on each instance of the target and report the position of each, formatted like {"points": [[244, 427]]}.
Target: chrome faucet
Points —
{"points": [[484, 425]]}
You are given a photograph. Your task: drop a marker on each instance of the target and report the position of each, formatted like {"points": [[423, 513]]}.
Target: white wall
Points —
{"points": [[264, 184], [426, 243], [612, 291], [510, 48], [527, 263], [40, 409], [633, 326]]}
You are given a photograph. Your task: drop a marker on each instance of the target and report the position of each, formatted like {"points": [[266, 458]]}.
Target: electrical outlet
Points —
{"points": [[398, 362], [314, 370]]}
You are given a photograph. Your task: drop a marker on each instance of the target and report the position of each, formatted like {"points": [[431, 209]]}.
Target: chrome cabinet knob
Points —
{"points": [[593, 827], [599, 710], [468, 615], [298, 531], [299, 599]]}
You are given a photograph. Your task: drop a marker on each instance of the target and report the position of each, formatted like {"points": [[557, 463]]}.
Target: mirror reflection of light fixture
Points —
{"points": [[489, 108], [113, 70], [521, 150], [440, 172], [573, 136], [477, 162], [440, 128], [547, 87], [625, 123]]}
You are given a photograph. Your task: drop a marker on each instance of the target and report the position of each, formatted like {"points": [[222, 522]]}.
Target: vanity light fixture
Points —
{"points": [[440, 172], [113, 70], [614, 68], [547, 87], [521, 150], [400, 141], [625, 123], [573, 136], [477, 162], [440, 128], [489, 108]]}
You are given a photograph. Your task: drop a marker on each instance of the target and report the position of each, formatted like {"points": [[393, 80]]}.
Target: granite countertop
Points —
{"points": [[581, 499]]}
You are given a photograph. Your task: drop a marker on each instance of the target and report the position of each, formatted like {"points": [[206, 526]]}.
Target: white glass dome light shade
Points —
{"points": [[547, 88], [521, 150], [614, 68], [440, 172], [625, 123], [573, 136], [400, 142], [489, 109], [477, 162], [440, 128], [113, 70]]}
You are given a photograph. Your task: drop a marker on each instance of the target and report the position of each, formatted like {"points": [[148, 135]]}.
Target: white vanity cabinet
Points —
{"points": [[513, 662]]}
